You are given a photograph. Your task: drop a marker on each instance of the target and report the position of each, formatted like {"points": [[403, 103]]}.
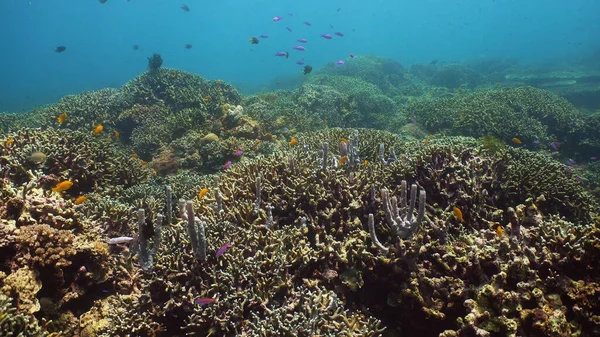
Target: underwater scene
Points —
{"points": [[278, 168]]}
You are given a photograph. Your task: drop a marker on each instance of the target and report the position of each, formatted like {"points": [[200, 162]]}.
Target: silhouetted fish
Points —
{"points": [[102, 1], [184, 7], [60, 49], [136, 47], [307, 69], [188, 46]]}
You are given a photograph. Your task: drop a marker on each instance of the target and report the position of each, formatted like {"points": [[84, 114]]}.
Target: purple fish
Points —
{"points": [[119, 240], [288, 28], [238, 153], [327, 36], [264, 36], [593, 158], [277, 18], [339, 33], [226, 165], [223, 249], [300, 48], [302, 40], [205, 300], [300, 62], [351, 55], [555, 145], [340, 62], [282, 53], [307, 23]]}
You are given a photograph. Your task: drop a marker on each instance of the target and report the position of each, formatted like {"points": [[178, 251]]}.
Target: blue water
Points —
{"points": [[100, 38]]}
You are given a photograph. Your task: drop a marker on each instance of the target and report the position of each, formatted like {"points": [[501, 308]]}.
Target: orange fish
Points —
{"points": [[426, 142], [98, 130], [207, 97], [9, 142], [458, 214], [497, 83], [324, 122], [219, 80], [294, 141], [202, 193], [342, 160], [117, 134], [499, 231], [62, 117], [517, 141], [62, 186], [342, 139], [80, 199], [134, 155], [143, 162], [365, 162], [459, 90]]}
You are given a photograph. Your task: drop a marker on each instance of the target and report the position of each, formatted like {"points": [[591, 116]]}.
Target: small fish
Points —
{"points": [[102, 1], [591, 158], [339, 63], [185, 7], [253, 40], [555, 145], [499, 231], [517, 141], [351, 55], [119, 240], [330, 25], [497, 84], [426, 142], [98, 130], [459, 90], [283, 53], [343, 160], [302, 40], [458, 214], [37, 157], [10, 141], [187, 46], [219, 80], [134, 155], [62, 186], [202, 193], [136, 47], [62, 117], [307, 69], [238, 153], [339, 34], [263, 36], [339, 9], [307, 23], [208, 97], [226, 165], [117, 134], [223, 249], [143, 162], [300, 48], [80, 200], [327, 36], [205, 300], [288, 28], [344, 140], [300, 62], [60, 49], [277, 18], [293, 141], [365, 162]]}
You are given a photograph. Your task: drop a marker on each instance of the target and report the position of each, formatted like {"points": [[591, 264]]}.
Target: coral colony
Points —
{"points": [[196, 211]]}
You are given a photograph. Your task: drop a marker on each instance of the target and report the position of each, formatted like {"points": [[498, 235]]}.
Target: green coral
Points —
{"points": [[14, 323], [525, 112]]}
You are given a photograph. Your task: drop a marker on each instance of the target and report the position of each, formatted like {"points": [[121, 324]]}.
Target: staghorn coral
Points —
{"points": [[14, 323], [69, 155]]}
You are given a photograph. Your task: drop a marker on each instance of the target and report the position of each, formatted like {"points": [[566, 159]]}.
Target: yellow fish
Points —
{"points": [[80, 199], [9, 142], [499, 231], [426, 142], [98, 130], [202, 193], [117, 134], [517, 141], [294, 141], [134, 155], [458, 214], [344, 140], [342, 160], [365, 162], [207, 97], [62, 117], [62, 186], [219, 80], [143, 162]]}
